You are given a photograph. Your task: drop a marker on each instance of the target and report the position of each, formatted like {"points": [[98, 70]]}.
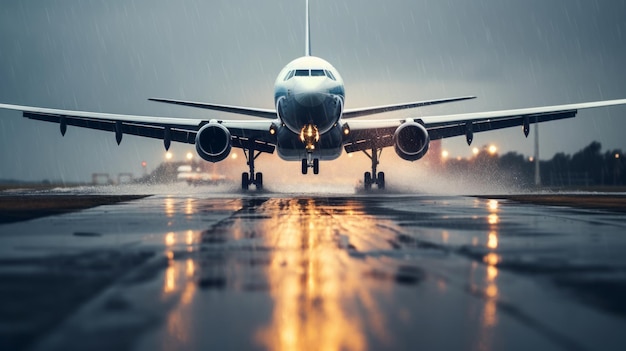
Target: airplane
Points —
{"points": [[309, 123]]}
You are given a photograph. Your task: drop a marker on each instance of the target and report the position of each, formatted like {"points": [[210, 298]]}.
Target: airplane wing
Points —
{"points": [[168, 129], [360, 112], [257, 112], [366, 134]]}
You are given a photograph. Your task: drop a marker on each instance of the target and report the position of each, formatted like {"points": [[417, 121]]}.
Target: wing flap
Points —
{"points": [[143, 130], [365, 134], [244, 134], [458, 129]]}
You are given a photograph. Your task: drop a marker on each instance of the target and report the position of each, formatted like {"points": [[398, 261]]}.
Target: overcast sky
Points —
{"points": [[111, 55]]}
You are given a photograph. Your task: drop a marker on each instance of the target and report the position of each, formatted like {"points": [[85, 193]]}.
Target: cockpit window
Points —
{"points": [[329, 74], [289, 75], [317, 73], [302, 73]]}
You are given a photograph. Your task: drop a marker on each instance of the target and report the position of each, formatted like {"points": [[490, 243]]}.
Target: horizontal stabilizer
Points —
{"points": [[366, 111], [248, 111]]}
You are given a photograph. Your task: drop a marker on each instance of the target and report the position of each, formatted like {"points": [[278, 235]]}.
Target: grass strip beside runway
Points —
{"points": [[608, 202], [14, 208]]}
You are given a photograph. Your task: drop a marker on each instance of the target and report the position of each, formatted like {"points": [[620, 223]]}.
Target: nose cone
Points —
{"points": [[310, 91]]}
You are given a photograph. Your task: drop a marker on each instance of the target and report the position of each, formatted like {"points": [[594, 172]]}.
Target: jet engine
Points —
{"points": [[213, 142], [411, 141]]}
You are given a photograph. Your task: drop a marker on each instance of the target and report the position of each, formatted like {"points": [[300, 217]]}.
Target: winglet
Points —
{"points": [[308, 32]]}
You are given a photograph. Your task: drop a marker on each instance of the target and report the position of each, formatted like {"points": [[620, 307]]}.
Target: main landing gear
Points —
{"points": [[251, 178], [372, 178], [310, 162]]}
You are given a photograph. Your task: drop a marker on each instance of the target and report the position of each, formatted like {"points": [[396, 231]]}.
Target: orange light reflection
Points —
{"points": [[169, 207], [492, 219], [305, 281], [189, 209], [170, 239], [493, 205], [492, 241]]}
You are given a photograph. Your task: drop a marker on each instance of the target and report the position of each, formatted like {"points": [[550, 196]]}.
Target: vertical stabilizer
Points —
{"points": [[307, 49]]}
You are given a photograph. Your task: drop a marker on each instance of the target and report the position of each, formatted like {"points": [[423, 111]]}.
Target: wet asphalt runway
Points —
{"points": [[224, 271]]}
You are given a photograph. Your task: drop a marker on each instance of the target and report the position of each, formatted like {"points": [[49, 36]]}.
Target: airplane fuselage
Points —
{"points": [[309, 97]]}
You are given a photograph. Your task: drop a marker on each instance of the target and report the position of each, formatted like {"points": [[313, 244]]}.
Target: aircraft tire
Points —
{"points": [[367, 180], [305, 166], [259, 181], [245, 181], [381, 180], [316, 166]]}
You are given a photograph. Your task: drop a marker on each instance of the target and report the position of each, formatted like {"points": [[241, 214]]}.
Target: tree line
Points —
{"points": [[587, 167]]}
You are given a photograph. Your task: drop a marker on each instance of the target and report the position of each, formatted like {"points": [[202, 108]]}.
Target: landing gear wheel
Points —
{"points": [[245, 181], [316, 166], [380, 180], [259, 181], [367, 181], [305, 166]]}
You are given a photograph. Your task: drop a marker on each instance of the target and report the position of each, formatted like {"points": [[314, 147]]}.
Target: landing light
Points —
{"points": [[492, 149], [445, 154], [168, 156], [346, 129], [616, 156], [475, 151], [309, 135]]}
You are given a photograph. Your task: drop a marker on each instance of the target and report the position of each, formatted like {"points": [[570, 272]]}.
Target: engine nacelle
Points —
{"points": [[411, 141], [213, 142]]}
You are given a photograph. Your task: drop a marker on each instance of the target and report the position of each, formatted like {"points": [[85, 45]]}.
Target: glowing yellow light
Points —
{"points": [[492, 149], [493, 218], [170, 239], [168, 155], [445, 154], [169, 207], [189, 156], [616, 156], [491, 291], [189, 238], [492, 242], [492, 273], [191, 267], [531, 159], [234, 156], [493, 205], [170, 280], [459, 158], [491, 259], [475, 151]]}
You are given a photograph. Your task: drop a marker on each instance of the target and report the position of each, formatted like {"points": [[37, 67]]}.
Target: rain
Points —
{"points": [[110, 56], [110, 241]]}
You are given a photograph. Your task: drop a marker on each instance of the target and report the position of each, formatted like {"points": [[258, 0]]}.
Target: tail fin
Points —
{"points": [[308, 32]]}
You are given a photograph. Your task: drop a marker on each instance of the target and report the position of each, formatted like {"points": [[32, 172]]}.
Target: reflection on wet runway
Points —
{"points": [[334, 273]]}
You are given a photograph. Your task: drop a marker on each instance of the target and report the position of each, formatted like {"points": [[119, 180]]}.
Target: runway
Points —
{"points": [[204, 269]]}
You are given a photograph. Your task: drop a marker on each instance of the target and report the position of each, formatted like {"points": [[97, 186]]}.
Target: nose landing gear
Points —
{"points": [[310, 136], [310, 162]]}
